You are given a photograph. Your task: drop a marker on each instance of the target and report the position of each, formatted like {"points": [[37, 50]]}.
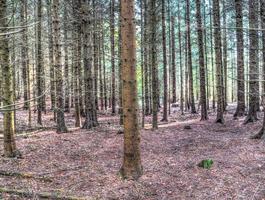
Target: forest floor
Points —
{"points": [[85, 163]]}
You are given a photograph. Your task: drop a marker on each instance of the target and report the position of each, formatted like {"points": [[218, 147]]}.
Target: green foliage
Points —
{"points": [[206, 164]]}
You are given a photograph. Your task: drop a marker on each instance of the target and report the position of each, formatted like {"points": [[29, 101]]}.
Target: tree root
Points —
{"points": [[250, 119], [24, 175], [220, 121], [259, 135], [28, 194]]}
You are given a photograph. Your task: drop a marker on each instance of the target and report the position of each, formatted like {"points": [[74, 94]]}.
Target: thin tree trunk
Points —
{"points": [[153, 32], [164, 41], [192, 102], [180, 61], [112, 44]]}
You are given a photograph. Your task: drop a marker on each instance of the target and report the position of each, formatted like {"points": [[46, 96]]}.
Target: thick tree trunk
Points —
{"points": [[77, 55], [90, 103], [61, 127], [218, 61], [131, 167], [203, 102], [253, 61], [240, 111], [9, 122]]}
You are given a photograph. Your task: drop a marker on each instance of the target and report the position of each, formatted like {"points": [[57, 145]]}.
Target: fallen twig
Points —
{"points": [[43, 195], [24, 175]]}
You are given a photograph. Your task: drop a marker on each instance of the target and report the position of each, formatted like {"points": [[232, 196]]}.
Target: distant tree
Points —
{"points": [[164, 41], [112, 44], [40, 69], [191, 89]]}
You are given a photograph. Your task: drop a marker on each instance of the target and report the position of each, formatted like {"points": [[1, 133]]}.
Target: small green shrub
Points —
{"points": [[206, 164]]}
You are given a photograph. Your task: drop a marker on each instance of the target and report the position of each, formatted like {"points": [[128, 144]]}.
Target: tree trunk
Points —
{"points": [[212, 58], [131, 167], [24, 53], [240, 111], [253, 61], [146, 68], [153, 32], [61, 127], [173, 43], [9, 122], [39, 71], [51, 56], [112, 44], [224, 55], [66, 61], [77, 54], [203, 101], [164, 41], [192, 102], [90, 103], [218, 60]]}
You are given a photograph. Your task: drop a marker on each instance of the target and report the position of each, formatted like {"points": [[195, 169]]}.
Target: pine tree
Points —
{"points": [[253, 62], [203, 101], [8, 97], [240, 111], [164, 41], [61, 127], [218, 61], [131, 167]]}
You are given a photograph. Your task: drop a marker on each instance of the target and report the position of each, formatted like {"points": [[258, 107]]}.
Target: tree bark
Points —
{"points": [[253, 61], [240, 111], [112, 44], [218, 60], [61, 127], [153, 32], [8, 97], [203, 101], [164, 43], [192, 101], [131, 167]]}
